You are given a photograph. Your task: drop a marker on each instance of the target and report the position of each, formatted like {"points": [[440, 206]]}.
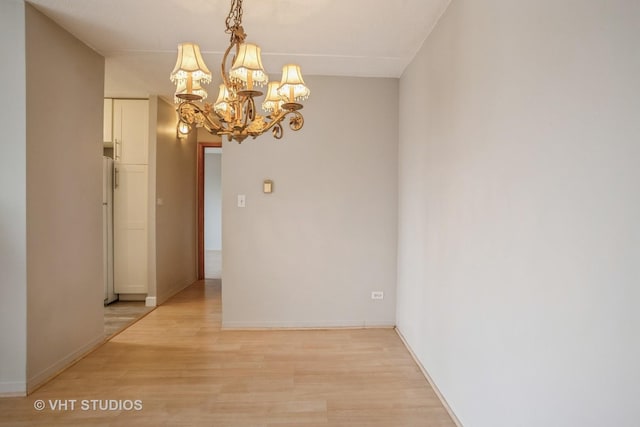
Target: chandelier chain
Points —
{"points": [[235, 16]]}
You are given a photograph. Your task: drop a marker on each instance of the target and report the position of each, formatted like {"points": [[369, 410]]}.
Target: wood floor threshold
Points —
{"points": [[85, 354], [125, 327]]}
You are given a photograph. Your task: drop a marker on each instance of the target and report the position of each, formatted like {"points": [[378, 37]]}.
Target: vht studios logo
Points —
{"points": [[88, 405]]}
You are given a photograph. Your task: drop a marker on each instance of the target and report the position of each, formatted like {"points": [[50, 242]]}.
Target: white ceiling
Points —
{"points": [[139, 38]]}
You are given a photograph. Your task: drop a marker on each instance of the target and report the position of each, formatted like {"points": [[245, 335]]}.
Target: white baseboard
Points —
{"points": [[132, 297], [49, 373], [150, 302], [346, 324], [455, 419], [13, 389]]}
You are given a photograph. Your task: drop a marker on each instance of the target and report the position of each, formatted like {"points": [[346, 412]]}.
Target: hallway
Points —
{"points": [[175, 367]]}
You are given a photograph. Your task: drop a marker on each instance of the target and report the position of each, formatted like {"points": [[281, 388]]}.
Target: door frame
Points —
{"points": [[200, 197]]}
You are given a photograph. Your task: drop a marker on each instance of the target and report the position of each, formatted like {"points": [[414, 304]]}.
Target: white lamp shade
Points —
{"points": [[222, 105], [182, 89], [292, 87], [247, 68], [190, 63], [273, 101]]}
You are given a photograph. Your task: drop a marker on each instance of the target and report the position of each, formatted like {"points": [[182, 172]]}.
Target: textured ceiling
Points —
{"points": [[139, 38]]}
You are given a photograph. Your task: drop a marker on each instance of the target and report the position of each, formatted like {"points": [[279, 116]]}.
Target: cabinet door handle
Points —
{"points": [[117, 149], [116, 178]]}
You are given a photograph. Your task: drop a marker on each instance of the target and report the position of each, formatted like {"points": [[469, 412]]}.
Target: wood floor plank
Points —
{"points": [[185, 371]]}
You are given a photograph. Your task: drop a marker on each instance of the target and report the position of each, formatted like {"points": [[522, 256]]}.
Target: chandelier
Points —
{"points": [[234, 112]]}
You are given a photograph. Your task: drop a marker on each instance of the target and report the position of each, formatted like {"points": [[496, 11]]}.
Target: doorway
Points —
{"points": [[209, 165]]}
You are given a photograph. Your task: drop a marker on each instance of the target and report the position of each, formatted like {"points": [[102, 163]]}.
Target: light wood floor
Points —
{"points": [[187, 372]]}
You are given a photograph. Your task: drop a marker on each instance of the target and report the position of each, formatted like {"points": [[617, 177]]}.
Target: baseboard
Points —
{"points": [[429, 380], [283, 325], [132, 297], [150, 302], [13, 389], [55, 369]]}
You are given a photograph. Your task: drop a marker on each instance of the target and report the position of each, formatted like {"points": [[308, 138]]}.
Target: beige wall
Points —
{"points": [[65, 83], [519, 241], [213, 201], [204, 136], [175, 232], [13, 209], [310, 253]]}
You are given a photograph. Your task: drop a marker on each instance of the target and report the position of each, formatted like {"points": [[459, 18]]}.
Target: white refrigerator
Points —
{"points": [[107, 229]]}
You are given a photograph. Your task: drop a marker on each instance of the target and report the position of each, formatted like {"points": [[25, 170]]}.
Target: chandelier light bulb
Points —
{"points": [[273, 100], [222, 105], [182, 90]]}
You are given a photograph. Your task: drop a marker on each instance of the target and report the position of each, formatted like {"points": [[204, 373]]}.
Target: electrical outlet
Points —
{"points": [[377, 295]]}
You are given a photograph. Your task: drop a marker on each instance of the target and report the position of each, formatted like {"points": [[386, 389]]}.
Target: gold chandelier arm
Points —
{"points": [[223, 72], [238, 36], [249, 110], [191, 114], [295, 123], [212, 125], [277, 131]]}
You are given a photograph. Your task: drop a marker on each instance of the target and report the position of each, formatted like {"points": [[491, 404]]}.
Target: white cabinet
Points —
{"points": [[131, 131], [130, 234], [107, 131]]}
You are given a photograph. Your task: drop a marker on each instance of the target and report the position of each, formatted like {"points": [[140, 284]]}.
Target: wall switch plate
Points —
{"points": [[242, 201], [377, 295]]}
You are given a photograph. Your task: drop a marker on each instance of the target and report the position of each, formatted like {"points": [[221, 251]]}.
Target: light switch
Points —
{"points": [[241, 201]]}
